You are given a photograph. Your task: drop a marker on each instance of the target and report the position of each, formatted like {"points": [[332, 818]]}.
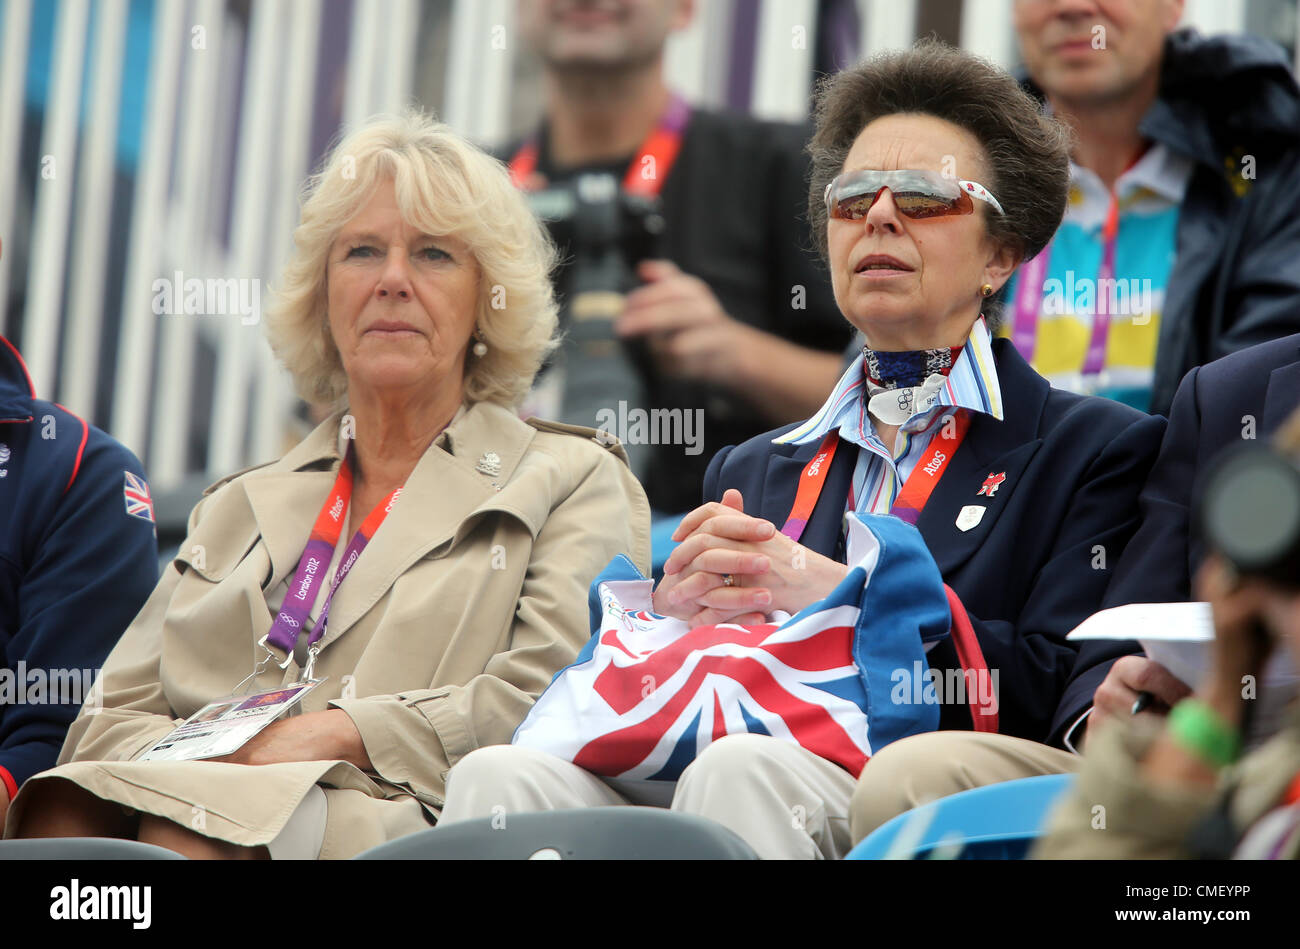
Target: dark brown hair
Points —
{"points": [[1027, 152]]}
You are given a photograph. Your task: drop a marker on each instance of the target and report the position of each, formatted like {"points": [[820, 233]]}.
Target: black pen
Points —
{"points": [[1144, 699]]}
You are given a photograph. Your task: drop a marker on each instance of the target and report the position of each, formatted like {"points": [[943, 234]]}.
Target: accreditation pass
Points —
{"points": [[223, 726]]}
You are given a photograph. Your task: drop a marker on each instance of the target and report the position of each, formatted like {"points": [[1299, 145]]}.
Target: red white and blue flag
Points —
{"points": [[648, 694], [136, 493]]}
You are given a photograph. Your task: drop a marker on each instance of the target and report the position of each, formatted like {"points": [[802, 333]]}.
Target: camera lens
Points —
{"points": [[1250, 512]]}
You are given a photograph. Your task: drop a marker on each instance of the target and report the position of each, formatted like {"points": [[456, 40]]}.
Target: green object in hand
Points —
{"points": [[1201, 731]]}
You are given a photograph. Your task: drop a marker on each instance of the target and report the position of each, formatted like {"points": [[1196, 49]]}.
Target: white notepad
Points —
{"points": [[1179, 637]]}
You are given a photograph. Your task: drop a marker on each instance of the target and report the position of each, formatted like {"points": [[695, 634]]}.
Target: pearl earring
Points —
{"points": [[480, 348]]}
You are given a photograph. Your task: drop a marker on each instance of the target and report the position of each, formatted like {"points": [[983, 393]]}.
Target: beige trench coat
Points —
{"points": [[468, 599]]}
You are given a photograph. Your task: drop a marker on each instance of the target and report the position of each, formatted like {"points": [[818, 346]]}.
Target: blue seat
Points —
{"points": [[83, 848], [592, 833], [997, 822]]}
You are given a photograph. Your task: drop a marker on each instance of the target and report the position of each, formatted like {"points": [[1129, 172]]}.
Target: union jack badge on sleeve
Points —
{"points": [[138, 502]]}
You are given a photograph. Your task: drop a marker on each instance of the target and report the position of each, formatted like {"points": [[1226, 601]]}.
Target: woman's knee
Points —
{"points": [[58, 807], [734, 757], [903, 775], [486, 767], [162, 832]]}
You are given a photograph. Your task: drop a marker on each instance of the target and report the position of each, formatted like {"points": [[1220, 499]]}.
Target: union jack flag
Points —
{"points": [[648, 694], [138, 502]]}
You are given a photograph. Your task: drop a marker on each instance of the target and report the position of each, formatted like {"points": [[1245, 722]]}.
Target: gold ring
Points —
{"points": [[728, 581]]}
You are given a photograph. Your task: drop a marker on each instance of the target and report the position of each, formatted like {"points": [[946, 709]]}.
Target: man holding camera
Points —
{"points": [[711, 304]]}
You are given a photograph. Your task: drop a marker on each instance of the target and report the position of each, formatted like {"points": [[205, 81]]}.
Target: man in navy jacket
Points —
{"points": [[78, 558], [1243, 396]]}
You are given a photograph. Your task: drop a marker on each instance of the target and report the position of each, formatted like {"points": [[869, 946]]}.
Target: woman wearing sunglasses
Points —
{"points": [[934, 177]]}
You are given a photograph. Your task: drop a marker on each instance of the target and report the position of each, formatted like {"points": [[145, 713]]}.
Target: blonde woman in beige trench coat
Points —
{"points": [[418, 302]]}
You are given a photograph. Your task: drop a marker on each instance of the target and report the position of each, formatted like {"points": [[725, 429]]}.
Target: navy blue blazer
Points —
{"points": [[75, 564], [1039, 561], [1248, 394]]}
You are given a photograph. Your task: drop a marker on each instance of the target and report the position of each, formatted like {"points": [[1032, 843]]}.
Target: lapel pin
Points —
{"points": [[489, 464], [970, 516], [991, 484]]}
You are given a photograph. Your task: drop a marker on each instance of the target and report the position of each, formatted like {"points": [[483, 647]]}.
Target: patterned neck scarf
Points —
{"points": [[887, 370], [900, 385]]}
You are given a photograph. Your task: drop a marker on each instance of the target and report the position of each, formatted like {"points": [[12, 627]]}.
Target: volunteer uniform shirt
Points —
{"points": [[78, 558], [1149, 195]]}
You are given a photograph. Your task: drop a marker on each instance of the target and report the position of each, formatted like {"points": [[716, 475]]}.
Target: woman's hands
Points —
{"points": [[770, 571], [327, 735]]}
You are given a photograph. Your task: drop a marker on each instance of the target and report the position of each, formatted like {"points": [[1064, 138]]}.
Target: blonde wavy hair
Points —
{"points": [[444, 186]]}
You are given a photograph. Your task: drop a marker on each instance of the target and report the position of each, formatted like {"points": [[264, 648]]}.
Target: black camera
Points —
{"points": [[1249, 512], [603, 232]]}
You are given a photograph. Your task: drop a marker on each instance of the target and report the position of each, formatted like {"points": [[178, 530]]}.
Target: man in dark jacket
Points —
{"points": [[1184, 199], [78, 558], [1244, 396], [734, 325]]}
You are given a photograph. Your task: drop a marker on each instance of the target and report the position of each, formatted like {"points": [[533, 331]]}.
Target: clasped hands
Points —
{"points": [[770, 571]]}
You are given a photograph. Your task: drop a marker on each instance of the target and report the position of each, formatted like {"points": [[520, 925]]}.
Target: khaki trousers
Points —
{"points": [[783, 801], [923, 768]]}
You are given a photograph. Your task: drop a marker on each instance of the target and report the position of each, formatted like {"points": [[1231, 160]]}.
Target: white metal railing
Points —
{"points": [[688, 65], [57, 172], [1215, 16], [135, 364], [886, 24], [187, 247], [986, 30], [255, 180], [480, 61], [89, 261], [783, 64]]}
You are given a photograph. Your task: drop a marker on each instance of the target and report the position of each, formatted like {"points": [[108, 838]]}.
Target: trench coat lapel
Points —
{"points": [[444, 494], [286, 496]]}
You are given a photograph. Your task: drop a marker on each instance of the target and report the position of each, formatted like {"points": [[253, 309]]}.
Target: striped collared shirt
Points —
{"points": [[880, 473]]}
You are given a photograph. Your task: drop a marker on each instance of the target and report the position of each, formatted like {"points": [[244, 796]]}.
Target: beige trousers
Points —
{"points": [[923, 768], [783, 801]]}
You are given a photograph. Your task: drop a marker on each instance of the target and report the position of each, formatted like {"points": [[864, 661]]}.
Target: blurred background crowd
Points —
{"points": [[147, 140]]}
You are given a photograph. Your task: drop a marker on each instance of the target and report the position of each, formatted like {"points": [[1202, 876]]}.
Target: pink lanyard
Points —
{"points": [[1029, 293], [659, 151], [911, 499], [316, 557], [1029, 300]]}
